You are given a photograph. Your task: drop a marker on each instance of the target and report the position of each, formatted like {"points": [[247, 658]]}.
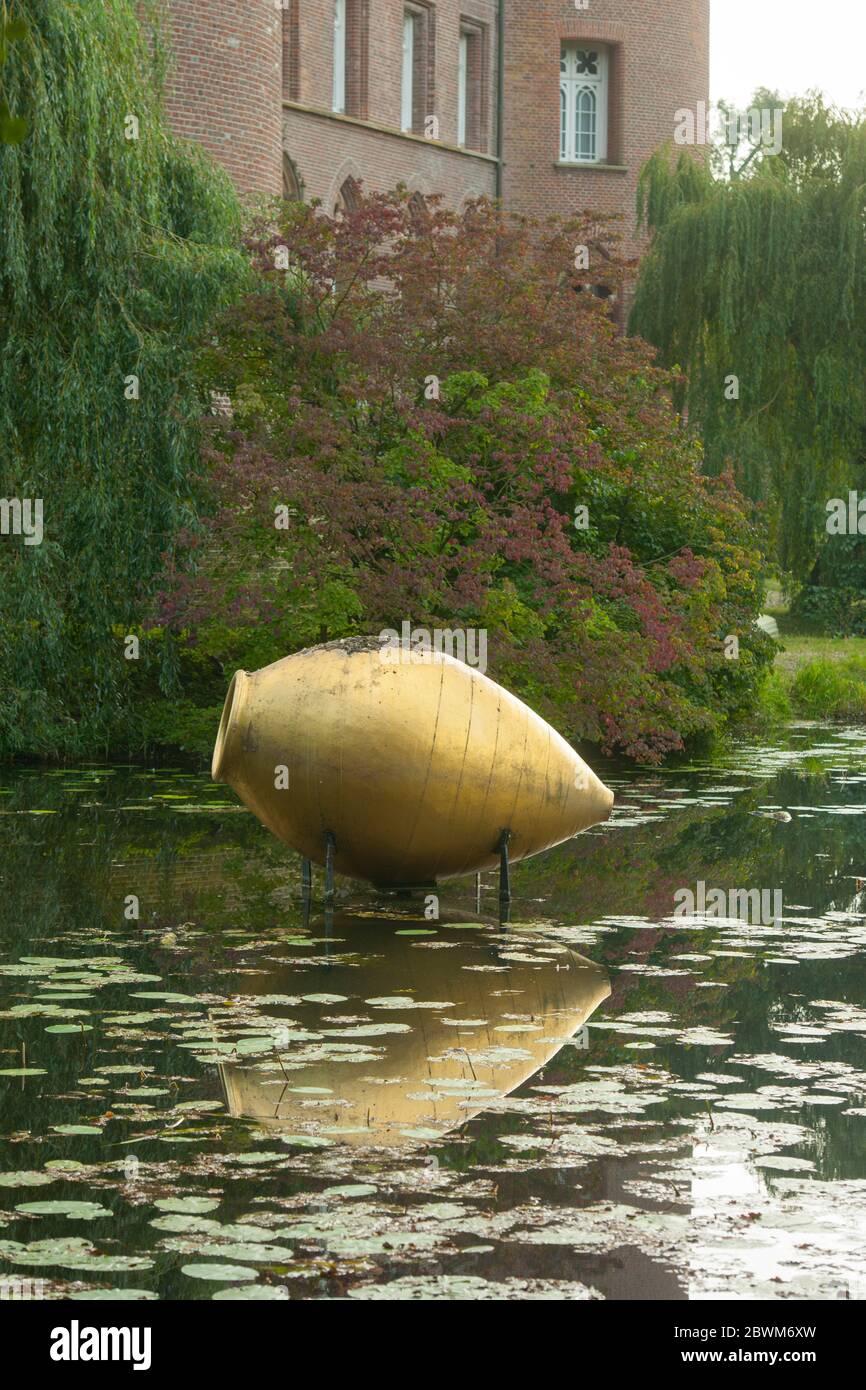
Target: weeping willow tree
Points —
{"points": [[13, 29], [755, 287], [116, 248]]}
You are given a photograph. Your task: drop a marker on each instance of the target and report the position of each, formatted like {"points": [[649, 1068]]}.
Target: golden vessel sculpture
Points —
{"points": [[416, 767], [473, 1022]]}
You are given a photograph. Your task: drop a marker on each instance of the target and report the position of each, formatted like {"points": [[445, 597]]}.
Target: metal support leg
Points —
{"points": [[330, 849], [504, 877], [306, 890], [477, 892]]}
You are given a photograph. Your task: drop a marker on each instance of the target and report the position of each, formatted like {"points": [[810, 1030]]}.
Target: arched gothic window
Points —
{"points": [[583, 101], [293, 184], [348, 197], [419, 211]]}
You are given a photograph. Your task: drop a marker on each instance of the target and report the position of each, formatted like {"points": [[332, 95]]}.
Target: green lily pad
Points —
{"points": [[255, 1293], [306, 1141], [188, 1206], [269, 1157], [26, 1178], [113, 1295], [75, 1211], [218, 1271]]}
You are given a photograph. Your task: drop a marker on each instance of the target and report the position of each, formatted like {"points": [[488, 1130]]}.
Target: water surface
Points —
{"points": [[227, 1096]]}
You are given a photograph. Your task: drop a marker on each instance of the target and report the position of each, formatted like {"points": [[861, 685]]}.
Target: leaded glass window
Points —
{"points": [[583, 99]]}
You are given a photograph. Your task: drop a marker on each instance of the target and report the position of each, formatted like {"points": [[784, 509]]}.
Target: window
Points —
{"points": [[583, 101], [293, 184], [472, 86], [419, 212], [339, 95], [462, 87], [410, 37], [291, 53], [348, 198], [417, 84]]}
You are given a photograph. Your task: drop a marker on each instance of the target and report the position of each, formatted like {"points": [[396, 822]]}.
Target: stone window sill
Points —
{"points": [[593, 168], [381, 129]]}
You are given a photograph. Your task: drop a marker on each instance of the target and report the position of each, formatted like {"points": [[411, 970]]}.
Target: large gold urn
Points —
{"points": [[414, 766]]}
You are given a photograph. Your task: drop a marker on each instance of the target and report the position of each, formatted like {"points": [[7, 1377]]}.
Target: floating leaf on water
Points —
{"points": [[218, 1271], [167, 997], [470, 1287], [188, 1206], [71, 1252], [258, 1158], [186, 1223], [75, 1211], [26, 1178], [113, 1295], [252, 1253], [366, 1030], [258, 1293], [305, 1141]]}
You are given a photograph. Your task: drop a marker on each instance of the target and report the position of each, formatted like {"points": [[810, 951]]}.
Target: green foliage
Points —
{"points": [[13, 29], [830, 689], [763, 278], [346, 499], [834, 599], [774, 706], [114, 254]]}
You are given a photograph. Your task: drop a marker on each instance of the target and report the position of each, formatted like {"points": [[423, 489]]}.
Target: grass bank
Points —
{"points": [[816, 677]]}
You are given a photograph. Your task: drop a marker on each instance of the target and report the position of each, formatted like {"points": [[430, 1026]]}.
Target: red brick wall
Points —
{"points": [[327, 149], [660, 62], [226, 89], [231, 92]]}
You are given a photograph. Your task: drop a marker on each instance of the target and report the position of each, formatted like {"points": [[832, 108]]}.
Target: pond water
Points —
{"points": [[625, 1093]]}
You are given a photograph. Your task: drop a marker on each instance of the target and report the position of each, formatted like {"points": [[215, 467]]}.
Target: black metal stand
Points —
{"points": [[504, 877], [330, 850], [306, 890]]}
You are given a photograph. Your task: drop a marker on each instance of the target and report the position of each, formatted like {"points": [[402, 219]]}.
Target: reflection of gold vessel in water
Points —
{"points": [[478, 1014], [416, 767]]}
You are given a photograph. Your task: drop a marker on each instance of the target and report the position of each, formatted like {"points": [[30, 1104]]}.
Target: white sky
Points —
{"points": [[789, 46]]}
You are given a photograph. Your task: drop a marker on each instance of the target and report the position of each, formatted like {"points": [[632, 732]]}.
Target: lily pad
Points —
{"points": [[218, 1271]]}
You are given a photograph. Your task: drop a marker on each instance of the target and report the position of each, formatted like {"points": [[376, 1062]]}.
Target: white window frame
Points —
{"points": [[587, 94], [338, 101], [407, 80], [463, 88]]}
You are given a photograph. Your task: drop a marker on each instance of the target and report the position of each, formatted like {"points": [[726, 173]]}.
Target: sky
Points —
{"points": [[789, 46]]}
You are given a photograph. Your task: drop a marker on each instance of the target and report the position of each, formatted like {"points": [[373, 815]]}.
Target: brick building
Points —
{"points": [[551, 104]]}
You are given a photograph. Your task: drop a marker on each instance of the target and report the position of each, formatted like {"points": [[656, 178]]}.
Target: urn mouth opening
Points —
{"points": [[227, 725]]}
